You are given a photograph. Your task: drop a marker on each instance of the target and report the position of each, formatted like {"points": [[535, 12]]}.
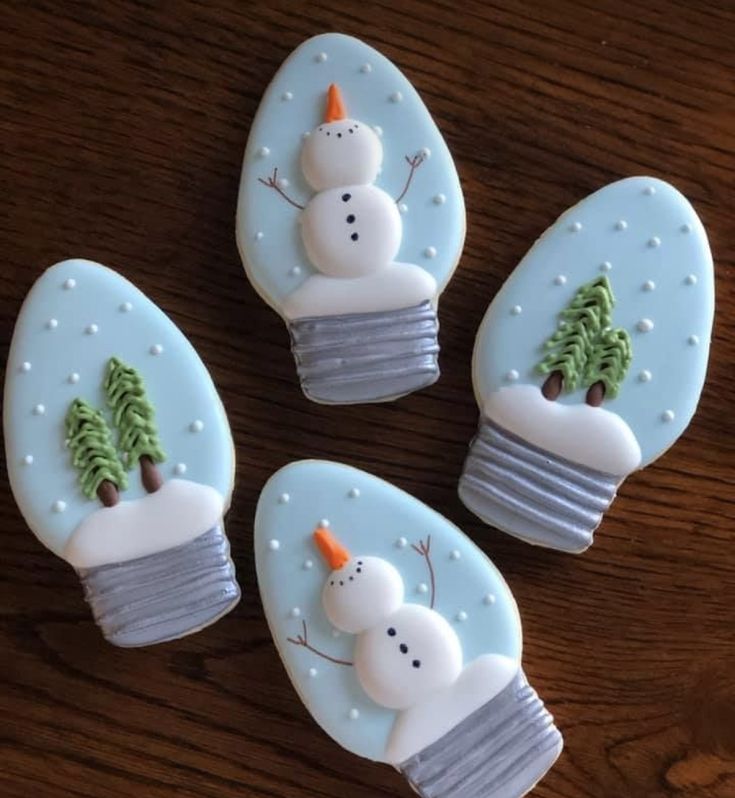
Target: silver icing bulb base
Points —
{"points": [[531, 493], [166, 595], [366, 357], [501, 750]]}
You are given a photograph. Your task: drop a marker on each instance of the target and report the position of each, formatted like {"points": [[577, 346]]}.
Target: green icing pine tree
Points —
{"points": [[585, 351], [93, 453], [134, 417]]}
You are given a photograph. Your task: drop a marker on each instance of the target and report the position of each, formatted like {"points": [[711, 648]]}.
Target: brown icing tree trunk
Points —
{"points": [[595, 394], [108, 493], [149, 474], [553, 385]]}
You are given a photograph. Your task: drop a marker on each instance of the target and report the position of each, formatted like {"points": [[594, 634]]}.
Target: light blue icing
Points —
{"points": [[663, 241], [176, 380], [369, 524], [407, 128]]}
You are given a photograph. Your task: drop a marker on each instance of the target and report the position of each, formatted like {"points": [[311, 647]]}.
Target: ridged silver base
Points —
{"points": [[531, 493], [164, 595], [502, 750], [366, 357]]}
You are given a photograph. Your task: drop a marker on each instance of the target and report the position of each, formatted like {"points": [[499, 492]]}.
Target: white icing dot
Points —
{"points": [[667, 415], [58, 506], [284, 498], [259, 235], [605, 266], [560, 279], [422, 588], [378, 130], [295, 271], [73, 378], [308, 565], [454, 554], [686, 228], [654, 242], [575, 227], [91, 329], [324, 522], [52, 324], [320, 58], [403, 208], [691, 279], [264, 152], [354, 493], [25, 366], [313, 672], [126, 307], [516, 310], [645, 376], [425, 152], [649, 191], [28, 459], [439, 199], [354, 714], [644, 325], [286, 96], [430, 252], [69, 283], [401, 543], [461, 616], [274, 544], [396, 97], [693, 340], [282, 182], [196, 426], [649, 285], [295, 612], [180, 469], [488, 599], [366, 69], [621, 224], [156, 349], [512, 375], [39, 410]]}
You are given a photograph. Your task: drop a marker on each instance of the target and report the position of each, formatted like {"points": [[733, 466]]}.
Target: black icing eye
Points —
{"points": [[332, 582], [391, 632], [339, 135], [328, 133], [345, 197], [354, 236], [350, 131], [359, 570], [341, 583], [404, 648], [416, 663], [351, 218]]}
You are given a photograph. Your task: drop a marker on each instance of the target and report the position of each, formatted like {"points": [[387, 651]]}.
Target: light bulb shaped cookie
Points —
{"points": [[589, 362], [350, 220], [120, 455], [398, 633]]}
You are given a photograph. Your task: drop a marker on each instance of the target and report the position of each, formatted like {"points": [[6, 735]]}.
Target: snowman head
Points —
{"points": [[360, 592], [340, 151]]}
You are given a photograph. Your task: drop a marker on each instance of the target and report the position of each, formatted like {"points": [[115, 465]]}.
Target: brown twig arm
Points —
{"points": [[424, 549], [414, 163], [272, 182], [303, 640]]}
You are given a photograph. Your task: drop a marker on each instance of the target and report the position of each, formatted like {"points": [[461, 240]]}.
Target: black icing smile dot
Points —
{"points": [[391, 632], [346, 197], [339, 135], [359, 570], [404, 648], [416, 663], [351, 218], [354, 236]]}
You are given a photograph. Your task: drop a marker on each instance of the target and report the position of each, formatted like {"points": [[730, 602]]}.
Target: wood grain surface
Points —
{"points": [[123, 127]]}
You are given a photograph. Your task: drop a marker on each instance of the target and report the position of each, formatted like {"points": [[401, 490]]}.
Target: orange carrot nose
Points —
{"points": [[335, 105], [331, 549]]}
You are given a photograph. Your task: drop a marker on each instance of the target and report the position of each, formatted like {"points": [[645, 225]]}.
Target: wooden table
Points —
{"points": [[123, 130]]}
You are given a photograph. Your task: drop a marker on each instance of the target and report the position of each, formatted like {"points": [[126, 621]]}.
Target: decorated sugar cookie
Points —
{"points": [[589, 362], [399, 634], [350, 220], [120, 455]]}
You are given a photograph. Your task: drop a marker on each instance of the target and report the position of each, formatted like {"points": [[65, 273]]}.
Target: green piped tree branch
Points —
{"points": [[93, 453]]}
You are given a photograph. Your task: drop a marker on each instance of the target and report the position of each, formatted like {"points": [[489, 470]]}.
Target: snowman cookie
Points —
{"points": [[589, 362], [120, 455], [350, 220], [399, 634]]}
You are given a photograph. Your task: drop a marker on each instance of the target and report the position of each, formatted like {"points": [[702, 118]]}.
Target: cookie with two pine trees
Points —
{"points": [[120, 455], [589, 362], [350, 220], [400, 636]]}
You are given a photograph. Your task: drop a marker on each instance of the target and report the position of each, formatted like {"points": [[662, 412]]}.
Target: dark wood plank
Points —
{"points": [[123, 126]]}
